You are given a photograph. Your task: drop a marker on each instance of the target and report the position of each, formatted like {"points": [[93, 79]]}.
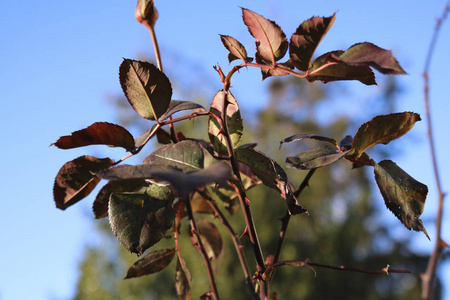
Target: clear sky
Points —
{"points": [[59, 60]]}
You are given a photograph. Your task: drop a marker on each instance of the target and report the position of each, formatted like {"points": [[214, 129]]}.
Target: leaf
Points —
{"points": [[234, 121], [146, 12], [147, 89], [182, 280], [176, 106], [328, 67], [271, 174], [303, 136], [402, 194], [315, 158], [100, 206], [211, 238], [237, 51], [306, 39], [75, 180], [125, 172], [100, 133], [186, 156], [382, 130], [151, 263], [271, 42], [373, 56], [140, 220]]}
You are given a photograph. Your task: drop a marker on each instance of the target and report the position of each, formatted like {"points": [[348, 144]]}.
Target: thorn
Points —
{"points": [[257, 276], [247, 201], [220, 132], [245, 233]]}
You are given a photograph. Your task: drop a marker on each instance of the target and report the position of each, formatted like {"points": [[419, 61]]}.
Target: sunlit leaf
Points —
{"points": [[186, 156], [76, 179], [151, 263], [328, 67], [306, 38], [315, 158], [140, 220], [271, 174], [177, 105], [234, 120], [304, 136], [100, 206], [182, 280], [147, 89], [100, 133], [382, 130], [271, 42], [373, 56], [236, 49], [403, 195], [211, 238]]}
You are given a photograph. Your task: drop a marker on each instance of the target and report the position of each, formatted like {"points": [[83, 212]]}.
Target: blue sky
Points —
{"points": [[60, 60]]}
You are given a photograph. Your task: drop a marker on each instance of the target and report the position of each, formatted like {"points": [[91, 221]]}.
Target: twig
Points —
{"points": [[201, 248], [429, 276]]}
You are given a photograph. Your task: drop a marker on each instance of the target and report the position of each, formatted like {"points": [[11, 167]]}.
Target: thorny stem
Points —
{"points": [[309, 264], [241, 195], [237, 245], [201, 248], [429, 276]]}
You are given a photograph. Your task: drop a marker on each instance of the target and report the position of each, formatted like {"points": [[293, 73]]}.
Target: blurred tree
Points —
{"points": [[344, 225]]}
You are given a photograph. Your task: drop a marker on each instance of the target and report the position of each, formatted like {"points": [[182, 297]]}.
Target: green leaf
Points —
{"points": [[182, 280], [151, 263], [75, 180], [315, 158], [211, 238], [303, 136], [271, 174], [234, 120], [373, 56], [177, 105], [382, 129], [328, 67], [402, 194], [236, 49], [100, 206], [140, 220], [186, 156], [271, 42], [147, 89], [306, 39], [100, 133]]}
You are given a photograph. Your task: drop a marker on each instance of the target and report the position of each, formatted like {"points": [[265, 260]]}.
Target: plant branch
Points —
{"points": [[237, 245], [429, 276], [201, 248]]}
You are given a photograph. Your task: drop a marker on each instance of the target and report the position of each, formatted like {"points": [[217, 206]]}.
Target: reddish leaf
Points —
{"points": [[373, 56], [403, 195], [100, 206], [382, 130], [151, 263], [211, 238], [100, 133], [75, 180], [281, 69], [306, 39], [328, 67], [271, 42], [147, 89], [140, 220], [182, 280], [237, 51]]}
